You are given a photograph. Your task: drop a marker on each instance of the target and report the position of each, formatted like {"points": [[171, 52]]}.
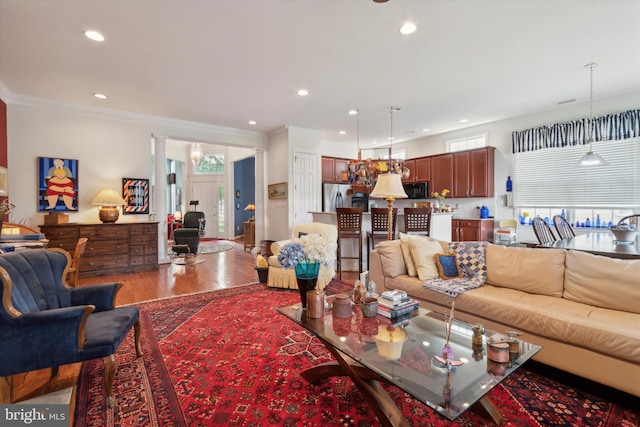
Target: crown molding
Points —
{"points": [[174, 128]]}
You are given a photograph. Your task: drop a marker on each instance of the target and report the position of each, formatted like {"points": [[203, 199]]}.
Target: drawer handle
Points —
{"points": [[92, 264]]}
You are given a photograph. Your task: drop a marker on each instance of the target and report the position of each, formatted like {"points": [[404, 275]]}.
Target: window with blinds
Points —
{"points": [[551, 178]]}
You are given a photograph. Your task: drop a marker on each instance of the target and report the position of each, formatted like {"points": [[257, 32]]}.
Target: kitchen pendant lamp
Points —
{"points": [[591, 158]]}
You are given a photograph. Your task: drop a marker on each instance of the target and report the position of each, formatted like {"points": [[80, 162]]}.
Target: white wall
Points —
{"points": [[108, 146]]}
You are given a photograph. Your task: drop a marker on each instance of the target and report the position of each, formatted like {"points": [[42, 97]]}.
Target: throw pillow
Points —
{"points": [[422, 250], [406, 254], [471, 257], [447, 265]]}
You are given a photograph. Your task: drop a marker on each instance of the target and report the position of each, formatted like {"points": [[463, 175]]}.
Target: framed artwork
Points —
{"points": [[135, 192], [4, 188], [57, 184], [278, 191]]}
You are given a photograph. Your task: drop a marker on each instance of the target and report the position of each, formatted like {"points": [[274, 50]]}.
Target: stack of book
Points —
{"points": [[396, 303]]}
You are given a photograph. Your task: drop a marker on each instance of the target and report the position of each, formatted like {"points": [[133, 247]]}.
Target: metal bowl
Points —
{"points": [[624, 234]]}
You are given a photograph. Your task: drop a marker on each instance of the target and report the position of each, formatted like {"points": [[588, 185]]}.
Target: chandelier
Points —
{"points": [[196, 153]]}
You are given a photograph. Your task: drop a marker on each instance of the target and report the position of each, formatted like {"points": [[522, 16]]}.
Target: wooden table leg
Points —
{"points": [[486, 406]]}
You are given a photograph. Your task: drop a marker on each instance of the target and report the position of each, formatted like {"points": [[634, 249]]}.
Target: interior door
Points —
{"points": [[211, 195], [306, 189]]}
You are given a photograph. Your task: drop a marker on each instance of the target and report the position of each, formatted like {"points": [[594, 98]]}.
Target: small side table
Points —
{"points": [[249, 235]]}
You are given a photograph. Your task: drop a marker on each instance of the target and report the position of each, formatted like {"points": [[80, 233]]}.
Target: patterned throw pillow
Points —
{"points": [[447, 266], [471, 257]]}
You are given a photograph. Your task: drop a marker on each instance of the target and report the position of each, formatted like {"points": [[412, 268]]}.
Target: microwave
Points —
{"points": [[418, 190]]}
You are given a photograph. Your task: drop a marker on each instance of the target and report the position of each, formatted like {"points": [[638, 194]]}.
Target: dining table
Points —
{"points": [[599, 243]]}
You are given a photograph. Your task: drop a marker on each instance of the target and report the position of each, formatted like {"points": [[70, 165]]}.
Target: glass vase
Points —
{"points": [[307, 277]]}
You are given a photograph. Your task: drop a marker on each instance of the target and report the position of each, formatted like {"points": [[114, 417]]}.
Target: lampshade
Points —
{"points": [[250, 207], [177, 215], [389, 185], [109, 200]]}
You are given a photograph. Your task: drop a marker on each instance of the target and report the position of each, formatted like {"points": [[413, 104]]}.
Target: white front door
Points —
{"points": [[210, 194]]}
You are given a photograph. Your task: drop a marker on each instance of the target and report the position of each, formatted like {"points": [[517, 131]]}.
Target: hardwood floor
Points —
{"points": [[219, 271]]}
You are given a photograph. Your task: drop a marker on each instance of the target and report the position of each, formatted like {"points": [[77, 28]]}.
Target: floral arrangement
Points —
{"points": [[7, 206], [440, 196], [308, 248]]}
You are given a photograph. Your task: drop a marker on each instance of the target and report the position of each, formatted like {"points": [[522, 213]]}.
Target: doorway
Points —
{"points": [[211, 195]]}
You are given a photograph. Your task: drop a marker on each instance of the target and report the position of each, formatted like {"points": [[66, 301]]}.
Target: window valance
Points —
{"points": [[605, 128]]}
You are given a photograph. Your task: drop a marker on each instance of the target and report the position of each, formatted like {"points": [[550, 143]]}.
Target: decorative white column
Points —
{"points": [[261, 196], [160, 196]]}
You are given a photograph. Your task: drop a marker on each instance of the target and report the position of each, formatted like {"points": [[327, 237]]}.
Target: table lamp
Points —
{"points": [[251, 208], [109, 200], [389, 187]]}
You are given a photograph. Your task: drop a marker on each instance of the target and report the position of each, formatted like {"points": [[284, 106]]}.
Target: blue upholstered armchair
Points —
{"points": [[44, 323]]}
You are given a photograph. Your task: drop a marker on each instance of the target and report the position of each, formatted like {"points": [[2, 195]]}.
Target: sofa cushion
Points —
{"points": [[422, 250], [447, 265], [406, 254], [602, 281], [392, 258], [533, 270]]}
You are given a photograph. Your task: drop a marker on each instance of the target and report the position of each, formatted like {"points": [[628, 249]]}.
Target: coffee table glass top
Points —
{"points": [[403, 352]]}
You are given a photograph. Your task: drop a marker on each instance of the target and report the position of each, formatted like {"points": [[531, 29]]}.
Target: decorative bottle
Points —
{"points": [[509, 184], [587, 223], [598, 221], [563, 214]]}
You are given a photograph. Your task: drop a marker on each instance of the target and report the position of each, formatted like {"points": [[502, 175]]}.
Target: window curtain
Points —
{"points": [[611, 127]]}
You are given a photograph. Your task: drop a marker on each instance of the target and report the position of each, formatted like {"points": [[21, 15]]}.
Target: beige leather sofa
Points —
{"points": [[286, 278], [583, 309]]}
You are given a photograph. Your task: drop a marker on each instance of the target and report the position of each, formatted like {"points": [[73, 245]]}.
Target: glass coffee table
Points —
{"points": [[407, 352]]}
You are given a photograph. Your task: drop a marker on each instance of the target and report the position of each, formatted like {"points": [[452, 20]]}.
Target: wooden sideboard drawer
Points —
{"points": [[107, 247], [92, 263], [469, 223], [68, 245], [105, 232], [151, 229], [60, 233]]}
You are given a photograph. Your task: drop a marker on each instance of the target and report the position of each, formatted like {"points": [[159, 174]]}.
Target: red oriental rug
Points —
{"points": [[227, 358]]}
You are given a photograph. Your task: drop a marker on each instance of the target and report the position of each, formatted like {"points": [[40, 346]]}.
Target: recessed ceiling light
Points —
{"points": [[252, 122], [303, 92], [100, 95], [353, 112], [408, 28], [426, 130], [342, 132], [463, 120], [94, 35]]}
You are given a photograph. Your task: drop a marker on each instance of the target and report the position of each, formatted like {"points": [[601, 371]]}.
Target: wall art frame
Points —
{"points": [[278, 191], [135, 192], [58, 184]]}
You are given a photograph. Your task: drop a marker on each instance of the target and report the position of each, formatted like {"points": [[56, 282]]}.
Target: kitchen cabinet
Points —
{"points": [[472, 230], [111, 248], [441, 173], [333, 169], [423, 169], [411, 165], [473, 173]]}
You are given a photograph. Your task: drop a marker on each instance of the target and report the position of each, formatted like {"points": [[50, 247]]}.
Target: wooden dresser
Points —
{"points": [[111, 249]]}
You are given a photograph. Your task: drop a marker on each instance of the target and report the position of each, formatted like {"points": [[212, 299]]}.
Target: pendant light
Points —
{"points": [[389, 185], [591, 158], [196, 153]]}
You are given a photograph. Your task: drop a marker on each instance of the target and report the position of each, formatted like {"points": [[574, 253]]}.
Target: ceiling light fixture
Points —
{"points": [[100, 95], [252, 122], [591, 158], [389, 185], [196, 153], [408, 28], [303, 92], [94, 35]]}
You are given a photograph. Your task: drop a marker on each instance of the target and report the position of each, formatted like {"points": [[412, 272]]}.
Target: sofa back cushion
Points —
{"points": [[392, 259], [531, 270], [423, 249], [602, 281]]}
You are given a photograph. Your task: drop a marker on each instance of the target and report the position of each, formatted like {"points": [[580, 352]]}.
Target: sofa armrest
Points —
{"points": [[375, 271]]}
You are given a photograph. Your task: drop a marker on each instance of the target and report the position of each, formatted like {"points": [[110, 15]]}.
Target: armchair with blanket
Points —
{"points": [[44, 323], [280, 277]]}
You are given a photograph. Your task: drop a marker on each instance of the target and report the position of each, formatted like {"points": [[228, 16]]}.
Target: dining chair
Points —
{"points": [[542, 230], [564, 229], [349, 227], [380, 227], [506, 232], [417, 220], [74, 270]]}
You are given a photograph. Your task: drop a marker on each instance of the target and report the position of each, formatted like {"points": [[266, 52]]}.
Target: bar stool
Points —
{"points": [[380, 227], [349, 227], [417, 221]]}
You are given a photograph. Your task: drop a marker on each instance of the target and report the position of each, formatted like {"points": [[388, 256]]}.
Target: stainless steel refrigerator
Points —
{"points": [[335, 196]]}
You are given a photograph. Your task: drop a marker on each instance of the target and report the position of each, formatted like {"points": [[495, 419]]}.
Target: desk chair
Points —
{"points": [[563, 227], [542, 230], [380, 227], [349, 227], [417, 221]]}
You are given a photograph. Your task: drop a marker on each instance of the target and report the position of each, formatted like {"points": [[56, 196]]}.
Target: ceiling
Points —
{"points": [[225, 62]]}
